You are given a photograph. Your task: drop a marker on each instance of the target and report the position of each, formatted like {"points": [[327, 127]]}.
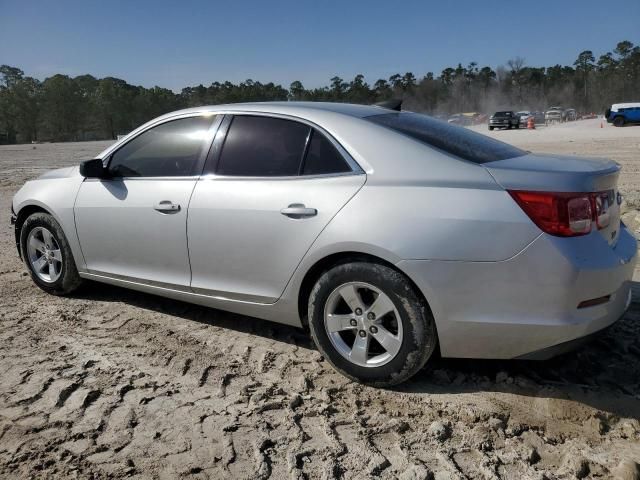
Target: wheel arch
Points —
{"points": [[339, 258], [619, 116], [22, 214]]}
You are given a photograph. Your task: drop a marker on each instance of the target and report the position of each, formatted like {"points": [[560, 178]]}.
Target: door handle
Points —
{"points": [[167, 206], [298, 210]]}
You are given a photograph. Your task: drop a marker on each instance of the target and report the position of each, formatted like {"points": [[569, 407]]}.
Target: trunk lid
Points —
{"points": [[563, 173]]}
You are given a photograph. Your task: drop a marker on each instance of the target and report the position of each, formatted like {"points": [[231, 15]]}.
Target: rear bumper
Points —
{"points": [[529, 303], [565, 347]]}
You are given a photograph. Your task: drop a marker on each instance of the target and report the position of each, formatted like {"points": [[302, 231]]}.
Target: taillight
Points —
{"points": [[602, 214], [564, 214]]}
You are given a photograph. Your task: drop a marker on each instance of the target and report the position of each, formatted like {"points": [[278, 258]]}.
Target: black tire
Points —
{"points": [[490, 128], [618, 121], [69, 279], [419, 338], [517, 126]]}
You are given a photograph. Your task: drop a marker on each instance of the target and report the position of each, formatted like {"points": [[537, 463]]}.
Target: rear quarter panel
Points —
{"points": [[434, 223]]}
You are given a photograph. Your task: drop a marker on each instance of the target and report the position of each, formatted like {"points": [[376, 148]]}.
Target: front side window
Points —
{"points": [[458, 141], [258, 146], [171, 149]]}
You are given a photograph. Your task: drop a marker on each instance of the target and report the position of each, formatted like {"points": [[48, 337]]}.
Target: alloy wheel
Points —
{"points": [[363, 324], [44, 254]]}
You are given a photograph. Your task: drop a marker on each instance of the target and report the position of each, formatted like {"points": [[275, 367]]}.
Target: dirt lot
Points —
{"points": [[114, 383]]}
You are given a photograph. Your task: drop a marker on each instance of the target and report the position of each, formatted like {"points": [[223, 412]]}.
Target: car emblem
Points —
{"points": [[619, 198]]}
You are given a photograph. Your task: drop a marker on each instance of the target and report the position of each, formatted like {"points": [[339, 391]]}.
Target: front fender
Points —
{"points": [[55, 196]]}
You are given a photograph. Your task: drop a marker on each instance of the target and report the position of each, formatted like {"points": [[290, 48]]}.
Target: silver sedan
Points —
{"points": [[388, 234]]}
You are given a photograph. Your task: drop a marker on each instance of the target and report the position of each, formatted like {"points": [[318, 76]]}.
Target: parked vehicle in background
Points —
{"points": [[622, 113], [570, 115], [506, 119], [480, 118], [538, 118], [554, 115], [523, 117], [460, 119], [467, 118]]}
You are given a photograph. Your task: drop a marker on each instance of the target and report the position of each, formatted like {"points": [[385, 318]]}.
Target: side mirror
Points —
{"points": [[92, 168]]}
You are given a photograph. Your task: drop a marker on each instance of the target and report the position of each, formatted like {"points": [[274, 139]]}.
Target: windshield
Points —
{"points": [[457, 141]]}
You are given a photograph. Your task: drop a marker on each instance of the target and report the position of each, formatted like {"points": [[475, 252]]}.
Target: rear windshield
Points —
{"points": [[502, 114], [458, 141]]}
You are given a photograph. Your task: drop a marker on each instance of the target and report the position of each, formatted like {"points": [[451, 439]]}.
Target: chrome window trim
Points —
{"points": [[213, 176], [121, 179], [356, 169]]}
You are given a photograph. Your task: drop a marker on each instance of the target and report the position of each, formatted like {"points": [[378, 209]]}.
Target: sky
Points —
{"points": [[174, 44]]}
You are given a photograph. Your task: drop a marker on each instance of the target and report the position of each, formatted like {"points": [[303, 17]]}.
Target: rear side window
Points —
{"points": [[258, 146], [168, 150], [458, 141], [323, 158]]}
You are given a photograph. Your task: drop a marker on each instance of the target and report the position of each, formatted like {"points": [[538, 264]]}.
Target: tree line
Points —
{"points": [[62, 108]]}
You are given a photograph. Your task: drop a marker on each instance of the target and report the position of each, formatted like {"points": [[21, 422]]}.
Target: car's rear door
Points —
{"points": [[133, 224], [266, 195]]}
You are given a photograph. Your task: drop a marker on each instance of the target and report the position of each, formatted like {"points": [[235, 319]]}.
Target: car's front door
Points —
{"points": [[261, 203], [132, 225]]}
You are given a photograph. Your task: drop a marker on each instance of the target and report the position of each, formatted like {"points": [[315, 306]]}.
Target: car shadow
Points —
{"points": [[188, 311], [604, 374]]}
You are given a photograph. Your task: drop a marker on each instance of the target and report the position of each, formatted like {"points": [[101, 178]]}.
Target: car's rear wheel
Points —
{"points": [[490, 128], [47, 254], [618, 121], [370, 324]]}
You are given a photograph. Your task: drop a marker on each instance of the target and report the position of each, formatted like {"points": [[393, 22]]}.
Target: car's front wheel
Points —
{"points": [[618, 121], [46, 252], [370, 324]]}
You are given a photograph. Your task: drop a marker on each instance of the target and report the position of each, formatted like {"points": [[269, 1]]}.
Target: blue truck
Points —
{"points": [[621, 114]]}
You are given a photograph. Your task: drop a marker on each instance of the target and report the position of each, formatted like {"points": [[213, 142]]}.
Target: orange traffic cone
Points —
{"points": [[531, 125]]}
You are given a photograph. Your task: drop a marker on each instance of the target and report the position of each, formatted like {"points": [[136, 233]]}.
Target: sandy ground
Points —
{"points": [[112, 383]]}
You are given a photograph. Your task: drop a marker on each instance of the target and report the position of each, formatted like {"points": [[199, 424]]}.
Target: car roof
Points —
{"points": [[617, 106], [291, 108]]}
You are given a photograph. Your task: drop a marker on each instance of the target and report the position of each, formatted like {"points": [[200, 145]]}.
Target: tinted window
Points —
{"points": [[168, 150], [263, 147], [458, 141], [323, 158]]}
